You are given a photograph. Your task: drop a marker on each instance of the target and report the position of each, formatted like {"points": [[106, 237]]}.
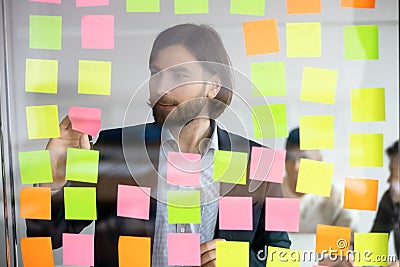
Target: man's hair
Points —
{"points": [[294, 139], [393, 150]]}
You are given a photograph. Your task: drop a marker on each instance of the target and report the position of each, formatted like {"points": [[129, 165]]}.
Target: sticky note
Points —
{"points": [[183, 169], [36, 251], [97, 31], [303, 39], [35, 203], [358, 3], [142, 6], [235, 213], [184, 207], [315, 177], [248, 7], [78, 249], [319, 85], [41, 76], [47, 1], [82, 165], [94, 77], [232, 254], [267, 164], [230, 167], [361, 42], [282, 214], [42, 122], [85, 3], [80, 203], [191, 6], [269, 78], [35, 167], [303, 6], [334, 240], [183, 249], [261, 37], [85, 120], [317, 132], [283, 257], [133, 201], [45, 32], [356, 189], [140, 256], [368, 104], [373, 249], [270, 121], [366, 150]]}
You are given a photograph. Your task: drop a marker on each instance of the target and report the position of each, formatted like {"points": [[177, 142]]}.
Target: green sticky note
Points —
{"points": [[35, 167], [232, 254], [41, 76], [303, 39], [368, 104], [372, 249], [142, 6], [94, 77], [80, 203], [270, 121], [42, 122], [319, 85], [82, 165], [230, 167], [317, 132], [191, 6], [283, 257], [315, 177], [269, 78], [45, 32], [184, 207], [248, 7], [366, 150], [361, 42]]}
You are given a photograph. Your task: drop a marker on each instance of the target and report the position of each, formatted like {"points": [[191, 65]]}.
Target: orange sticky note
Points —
{"points": [[332, 240], [303, 6], [134, 251], [36, 252], [35, 203], [358, 3], [360, 189], [261, 37]]}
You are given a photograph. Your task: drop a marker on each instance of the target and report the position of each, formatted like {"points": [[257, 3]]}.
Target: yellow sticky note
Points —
{"points": [[230, 167], [317, 132], [142, 6], [269, 78], [303, 39], [368, 104], [191, 6], [82, 165], [94, 77], [41, 76], [315, 177], [270, 121], [35, 167], [232, 254], [366, 150], [42, 122], [372, 249], [248, 7], [184, 207], [80, 203], [283, 257], [361, 42], [319, 85]]}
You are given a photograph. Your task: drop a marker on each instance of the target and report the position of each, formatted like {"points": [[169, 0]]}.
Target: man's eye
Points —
{"points": [[180, 76]]}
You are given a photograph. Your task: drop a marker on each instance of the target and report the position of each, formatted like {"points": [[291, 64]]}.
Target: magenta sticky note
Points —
{"points": [[47, 1], [235, 213], [183, 169], [97, 31], [85, 120], [282, 214], [78, 249], [133, 201], [183, 249], [267, 164], [84, 3]]}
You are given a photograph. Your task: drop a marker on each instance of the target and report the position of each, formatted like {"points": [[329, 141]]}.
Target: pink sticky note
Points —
{"points": [[184, 249], [47, 1], [183, 169], [97, 31], [282, 214], [267, 164], [83, 3], [78, 249], [133, 202], [85, 120], [235, 213]]}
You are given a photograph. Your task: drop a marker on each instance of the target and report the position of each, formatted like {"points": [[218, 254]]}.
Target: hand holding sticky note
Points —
{"points": [[85, 120]]}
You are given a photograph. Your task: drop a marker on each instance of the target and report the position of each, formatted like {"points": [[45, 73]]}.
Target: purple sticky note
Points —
{"points": [[78, 249], [282, 214], [97, 31], [183, 169], [183, 249], [83, 3], [85, 120], [133, 202], [47, 1], [235, 213], [267, 164]]}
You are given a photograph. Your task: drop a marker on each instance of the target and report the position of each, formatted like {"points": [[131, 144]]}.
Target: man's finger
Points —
{"points": [[84, 142], [65, 123], [208, 257], [210, 264], [210, 245]]}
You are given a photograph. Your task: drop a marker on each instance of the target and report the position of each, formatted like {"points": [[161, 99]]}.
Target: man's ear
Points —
{"points": [[213, 86]]}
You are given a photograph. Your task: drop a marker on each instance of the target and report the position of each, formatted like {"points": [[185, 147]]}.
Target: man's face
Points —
{"points": [[394, 170]]}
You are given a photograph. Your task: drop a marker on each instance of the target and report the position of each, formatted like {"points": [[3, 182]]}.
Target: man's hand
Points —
{"points": [[208, 253]]}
